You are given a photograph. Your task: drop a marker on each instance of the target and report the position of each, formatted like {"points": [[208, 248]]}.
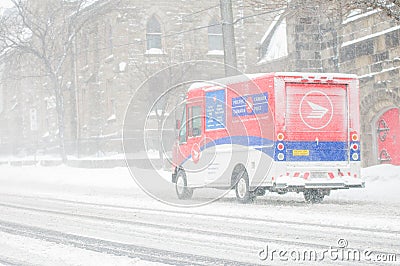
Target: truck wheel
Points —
{"points": [[242, 188], [182, 191], [313, 196]]}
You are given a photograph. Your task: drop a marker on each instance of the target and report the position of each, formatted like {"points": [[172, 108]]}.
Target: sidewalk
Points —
{"points": [[84, 162]]}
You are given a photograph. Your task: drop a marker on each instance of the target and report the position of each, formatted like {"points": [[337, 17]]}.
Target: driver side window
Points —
{"points": [[194, 121], [191, 127]]}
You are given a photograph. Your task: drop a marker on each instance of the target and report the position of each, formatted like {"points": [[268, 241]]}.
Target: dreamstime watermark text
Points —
{"points": [[341, 252]]}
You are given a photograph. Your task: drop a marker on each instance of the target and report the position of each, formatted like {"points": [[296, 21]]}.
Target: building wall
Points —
{"points": [[104, 89], [370, 47], [333, 39], [109, 61]]}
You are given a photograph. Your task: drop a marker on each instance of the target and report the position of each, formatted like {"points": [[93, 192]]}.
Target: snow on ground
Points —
{"points": [[382, 181], [46, 253], [368, 207], [109, 191]]}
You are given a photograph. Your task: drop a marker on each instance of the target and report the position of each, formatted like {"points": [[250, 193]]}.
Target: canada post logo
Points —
{"points": [[253, 104], [316, 109], [195, 152]]}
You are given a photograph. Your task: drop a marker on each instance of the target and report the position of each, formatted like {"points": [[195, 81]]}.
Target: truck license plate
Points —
{"points": [[318, 175]]}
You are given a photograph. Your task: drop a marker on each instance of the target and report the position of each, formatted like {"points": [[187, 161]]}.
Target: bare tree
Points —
{"points": [[46, 31], [390, 7]]}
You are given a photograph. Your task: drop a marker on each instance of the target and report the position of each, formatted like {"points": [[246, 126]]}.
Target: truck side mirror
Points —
{"points": [[178, 124], [196, 132]]}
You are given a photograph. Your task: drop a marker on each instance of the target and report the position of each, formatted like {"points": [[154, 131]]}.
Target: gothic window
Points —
{"points": [[215, 42], [153, 34]]}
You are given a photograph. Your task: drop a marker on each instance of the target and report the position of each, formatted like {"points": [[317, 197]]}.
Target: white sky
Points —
{"points": [[5, 3]]}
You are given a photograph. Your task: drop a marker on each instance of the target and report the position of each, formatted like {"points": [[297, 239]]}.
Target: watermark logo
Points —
{"points": [[340, 252]]}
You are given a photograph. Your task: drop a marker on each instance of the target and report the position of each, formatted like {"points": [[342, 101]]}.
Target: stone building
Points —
{"points": [[371, 49], [113, 55], [362, 42], [118, 51]]}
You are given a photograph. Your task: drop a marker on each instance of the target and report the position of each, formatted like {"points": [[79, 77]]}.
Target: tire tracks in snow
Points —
{"points": [[209, 215], [111, 247], [179, 230], [12, 262]]}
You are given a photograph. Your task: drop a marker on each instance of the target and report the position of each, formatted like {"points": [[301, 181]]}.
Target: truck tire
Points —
{"points": [[313, 196], [182, 191], [242, 188]]}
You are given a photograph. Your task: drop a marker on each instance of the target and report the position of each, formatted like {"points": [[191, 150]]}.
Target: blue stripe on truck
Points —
{"points": [[313, 151], [293, 150]]}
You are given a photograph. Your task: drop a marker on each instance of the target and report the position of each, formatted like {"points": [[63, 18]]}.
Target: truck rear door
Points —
{"points": [[316, 122]]}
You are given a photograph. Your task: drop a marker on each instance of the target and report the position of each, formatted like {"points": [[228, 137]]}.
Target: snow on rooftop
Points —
{"points": [[112, 118], [212, 84], [277, 47], [316, 75], [109, 58], [85, 3], [380, 72], [215, 52], [122, 66], [271, 26], [198, 85], [154, 51], [373, 35], [356, 14], [88, 3]]}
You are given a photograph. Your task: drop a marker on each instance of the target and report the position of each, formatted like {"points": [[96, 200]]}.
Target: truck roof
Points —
{"points": [[316, 75], [227, 80], [247, 77]]}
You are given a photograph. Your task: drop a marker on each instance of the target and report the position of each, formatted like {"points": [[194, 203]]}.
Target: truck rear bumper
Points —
{"points": [[318, 184]]}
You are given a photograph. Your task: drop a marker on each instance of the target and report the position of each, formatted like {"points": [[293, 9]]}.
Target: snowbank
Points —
{"points": [[382, 184]]}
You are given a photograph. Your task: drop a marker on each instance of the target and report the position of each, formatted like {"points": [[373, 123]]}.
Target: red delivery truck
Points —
{"points": [[277, 132]]}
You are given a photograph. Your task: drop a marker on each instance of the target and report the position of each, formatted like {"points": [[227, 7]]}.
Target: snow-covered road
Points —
{"points": [[71, 216]]}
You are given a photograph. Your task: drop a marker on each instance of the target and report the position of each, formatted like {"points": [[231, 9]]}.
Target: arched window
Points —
{"points": [[215, 42], [153, 34]]}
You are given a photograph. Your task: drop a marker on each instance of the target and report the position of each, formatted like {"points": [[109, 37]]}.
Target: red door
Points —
{"points": [[388, 137]]}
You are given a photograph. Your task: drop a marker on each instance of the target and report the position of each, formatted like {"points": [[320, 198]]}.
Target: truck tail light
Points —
{"points": [[280, 136], [354, 137], [280, 146], [355, 147]]}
